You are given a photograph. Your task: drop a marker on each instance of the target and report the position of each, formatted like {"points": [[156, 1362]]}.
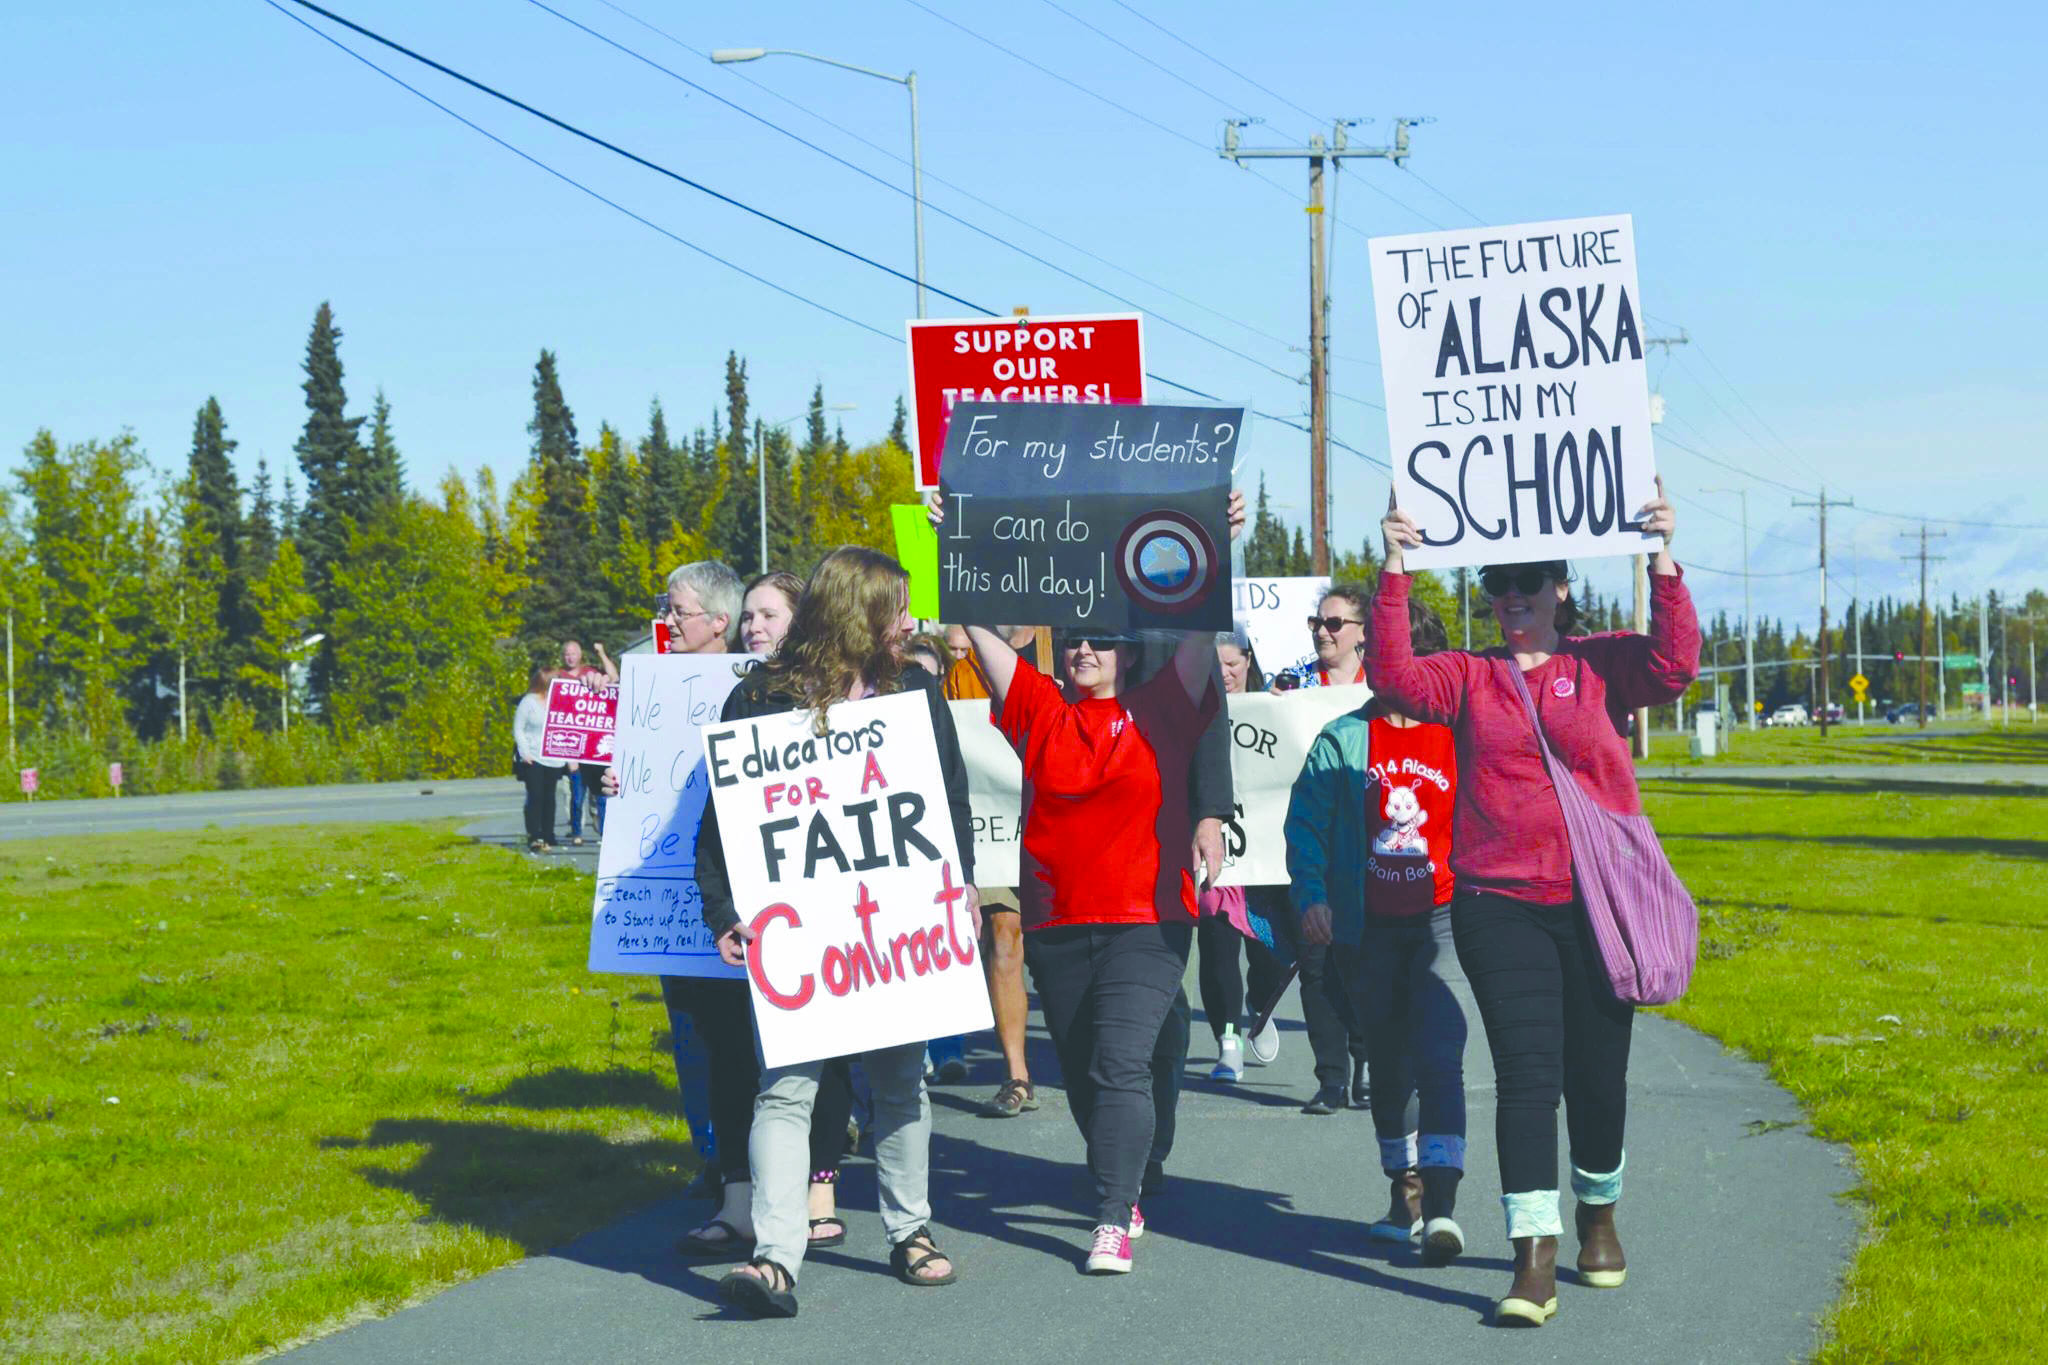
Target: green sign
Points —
{"points": [[1959, 661], [1973, 689]]}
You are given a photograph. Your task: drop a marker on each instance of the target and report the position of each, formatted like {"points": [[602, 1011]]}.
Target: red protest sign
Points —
{"points": [[30, 780], [1075, 358], [581, 718]]}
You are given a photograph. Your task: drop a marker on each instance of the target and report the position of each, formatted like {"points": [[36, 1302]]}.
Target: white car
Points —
{"points": [[1792, 713]]}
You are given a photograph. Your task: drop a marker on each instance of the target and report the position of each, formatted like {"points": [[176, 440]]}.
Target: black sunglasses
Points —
{"points": [[1333, 624], [1101, 644], [1495, 582]]}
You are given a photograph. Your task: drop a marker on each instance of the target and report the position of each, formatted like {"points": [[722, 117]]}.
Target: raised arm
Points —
{"points": [[1646, 670], [997, 659], [1194, 659], [1431, 689]]}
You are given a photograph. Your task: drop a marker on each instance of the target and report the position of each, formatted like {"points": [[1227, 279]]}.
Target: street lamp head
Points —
{"points": [[724, 55]]}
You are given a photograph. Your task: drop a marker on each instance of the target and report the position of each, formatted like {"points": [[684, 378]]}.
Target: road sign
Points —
{"points": [[1959, 661], [1973, 689], [1860, 685]]}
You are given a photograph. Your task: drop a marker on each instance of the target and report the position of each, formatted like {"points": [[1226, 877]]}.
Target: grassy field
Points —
{"points": [[262, 1082], [1884, 954], [1957, 741], [258, 1082]]}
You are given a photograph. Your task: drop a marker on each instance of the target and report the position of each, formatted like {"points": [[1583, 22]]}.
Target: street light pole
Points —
{"points": [[726, 56]]}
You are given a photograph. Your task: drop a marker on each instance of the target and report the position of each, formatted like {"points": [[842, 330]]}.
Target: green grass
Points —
{"points": [[353, 1065], [1883, 952], [1952, 741]]}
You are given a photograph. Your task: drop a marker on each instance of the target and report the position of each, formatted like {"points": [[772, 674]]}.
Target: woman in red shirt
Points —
{"points": [[1554, 1026]]}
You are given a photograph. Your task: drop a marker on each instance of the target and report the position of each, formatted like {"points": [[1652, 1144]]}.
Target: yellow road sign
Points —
{"points": [[1859, 685]]}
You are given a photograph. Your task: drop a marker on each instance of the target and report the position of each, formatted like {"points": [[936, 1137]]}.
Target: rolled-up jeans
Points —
{"points": [[1411, 1000], [780, 1150]]}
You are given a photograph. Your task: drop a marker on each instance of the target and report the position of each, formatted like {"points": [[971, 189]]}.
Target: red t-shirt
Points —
{"points": [[1106, 829], [1414, 769]]}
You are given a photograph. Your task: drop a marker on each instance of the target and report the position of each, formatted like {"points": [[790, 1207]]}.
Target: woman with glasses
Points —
{"points": [[1338, 632], [1552, 1022], [845, 643], [1108, 895]]}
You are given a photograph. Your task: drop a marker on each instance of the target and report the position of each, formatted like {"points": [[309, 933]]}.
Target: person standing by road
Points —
{"points": [[1552, 1021], [540, 772], [586, 778], [1382, 904], [845, 643]]}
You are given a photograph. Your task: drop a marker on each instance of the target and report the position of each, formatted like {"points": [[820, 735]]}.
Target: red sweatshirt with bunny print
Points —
{"points": [[1507, 831]]}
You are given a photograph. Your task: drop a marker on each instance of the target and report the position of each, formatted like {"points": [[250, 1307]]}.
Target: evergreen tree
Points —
{"points": [[330, 459], [565, 597], [617, 512], [285, 611], [288, 514], [259, 528], [785, 521], [666, 478], [732, 526], [1265, 545], [899, 428], [1298, 561], [209, 515], [189, 603], [811, 462], [383, 470]]}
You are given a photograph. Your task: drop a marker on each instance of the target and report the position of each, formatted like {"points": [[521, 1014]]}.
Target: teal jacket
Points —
{"points": [[1327, 825]]}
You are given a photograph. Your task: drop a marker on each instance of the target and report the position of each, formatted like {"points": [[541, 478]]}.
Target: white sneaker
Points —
{"points": [[1229, 1057], [1265, 1045], [1110, 1253]]}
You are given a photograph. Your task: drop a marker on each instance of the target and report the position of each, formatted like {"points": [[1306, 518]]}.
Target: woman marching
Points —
{"points": [[1107, 894], [1383, 903], [1552, 1020], [844, 643]]}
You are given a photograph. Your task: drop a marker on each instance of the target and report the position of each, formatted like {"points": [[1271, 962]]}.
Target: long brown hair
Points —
{"points": [[839, 633]]}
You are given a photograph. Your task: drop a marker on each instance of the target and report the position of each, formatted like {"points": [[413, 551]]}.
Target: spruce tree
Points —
{"points": [[383, 471], [811, 460], [665, 477], [899, 429], [734, 511], [259, 528], [211, 513], [330, 459], [565, 597]]}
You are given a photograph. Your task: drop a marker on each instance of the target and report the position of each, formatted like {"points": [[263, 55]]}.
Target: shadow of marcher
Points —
{"points": [[566, 1087]]}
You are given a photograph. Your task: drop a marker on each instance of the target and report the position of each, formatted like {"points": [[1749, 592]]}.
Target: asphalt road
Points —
{"points": [[382, 802]]}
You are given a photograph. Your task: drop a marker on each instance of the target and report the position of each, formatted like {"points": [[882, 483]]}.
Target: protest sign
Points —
{"points": [[1075, 358], [1269, 739], [1064, 514], [115, 777], [844, 863], [30, 780], [647, 916], [1273, 613], [1518, 411], [917, 550], [580, 720]]}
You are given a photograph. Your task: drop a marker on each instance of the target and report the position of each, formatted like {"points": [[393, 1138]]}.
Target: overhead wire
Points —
{"points": [[1155, 65], [1217, 61]]}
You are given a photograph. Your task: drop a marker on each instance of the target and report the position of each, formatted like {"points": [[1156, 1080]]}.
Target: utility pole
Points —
{"points": [[1316, 153], [1827, 653], [1642, 562], [1920, 670]]}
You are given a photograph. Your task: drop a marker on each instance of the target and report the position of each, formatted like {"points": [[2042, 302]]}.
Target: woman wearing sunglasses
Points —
{"points": [[1552, 1022], [1107, 894]]}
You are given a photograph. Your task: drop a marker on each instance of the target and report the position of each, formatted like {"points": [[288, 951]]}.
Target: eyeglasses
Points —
{"points": [[669, 612], [1101, 644], [1332, 624], [1495, 582]]}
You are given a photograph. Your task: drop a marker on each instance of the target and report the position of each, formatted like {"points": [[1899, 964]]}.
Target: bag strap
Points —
{"points": [[1551, 760]]}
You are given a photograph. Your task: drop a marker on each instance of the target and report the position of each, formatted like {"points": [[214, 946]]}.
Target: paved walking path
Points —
{"points": [[1852, 776], [1735, 1228]]}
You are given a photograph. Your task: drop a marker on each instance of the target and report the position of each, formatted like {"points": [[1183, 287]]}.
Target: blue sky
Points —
{"points": [[1837, 213]]}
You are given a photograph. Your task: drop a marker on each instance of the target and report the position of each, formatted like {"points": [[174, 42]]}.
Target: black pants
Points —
{"points": [[1555, 1029], [541, 782], [1333, 1032], [1169, 1064], [1222, 979], [829, 1113], [723, 1016], [1106, 990]]}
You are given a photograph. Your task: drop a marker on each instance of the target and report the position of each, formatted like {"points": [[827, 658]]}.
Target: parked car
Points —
{"points": [[1832, 713], [1791, 713], [1909, 713]]}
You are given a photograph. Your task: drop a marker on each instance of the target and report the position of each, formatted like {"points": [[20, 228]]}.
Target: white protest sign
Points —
{"points": [[1518, 410], [1273, 613], [1269, 739], [844, 863], [647, 915]]}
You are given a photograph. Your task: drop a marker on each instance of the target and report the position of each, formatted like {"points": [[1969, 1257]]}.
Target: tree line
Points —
{"points": [[338, 624]]}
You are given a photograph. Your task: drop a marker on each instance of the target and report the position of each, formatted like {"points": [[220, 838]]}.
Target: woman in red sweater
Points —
{"points": [[1552, 1022]]}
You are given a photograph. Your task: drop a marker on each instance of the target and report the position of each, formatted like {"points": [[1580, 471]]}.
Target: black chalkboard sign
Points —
{"points": [[1067, 514]]}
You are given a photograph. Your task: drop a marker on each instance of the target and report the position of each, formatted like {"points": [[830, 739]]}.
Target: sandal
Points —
{"points": [[830, 1239], [730, 1246], [1012, 1099], [770, 1294], [906, 1264]]}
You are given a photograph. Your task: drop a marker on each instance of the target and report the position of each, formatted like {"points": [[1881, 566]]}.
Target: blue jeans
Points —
{"points": [[1405, 985], [943, 1050], [575, 802], [693, 1079]]}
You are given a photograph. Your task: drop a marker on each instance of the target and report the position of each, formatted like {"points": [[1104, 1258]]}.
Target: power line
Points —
{"points": [[577, 184], [1445, 197], [1731, 468], [1216, 61], [890, 337], [1737, 422], [1157, 66], [928, 174]]}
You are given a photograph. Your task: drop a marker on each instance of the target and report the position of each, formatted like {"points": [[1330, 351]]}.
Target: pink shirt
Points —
{"points": [[1508, 833]]}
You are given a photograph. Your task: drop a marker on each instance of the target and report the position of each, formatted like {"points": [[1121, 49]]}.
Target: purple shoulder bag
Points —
{"points": [[1644, 922]]}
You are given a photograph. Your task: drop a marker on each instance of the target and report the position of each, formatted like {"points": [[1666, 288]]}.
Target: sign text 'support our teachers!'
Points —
{"points": [[1518, 413]]}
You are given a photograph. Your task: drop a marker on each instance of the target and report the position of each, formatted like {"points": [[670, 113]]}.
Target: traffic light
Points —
{"points": [[1898, 656]]}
